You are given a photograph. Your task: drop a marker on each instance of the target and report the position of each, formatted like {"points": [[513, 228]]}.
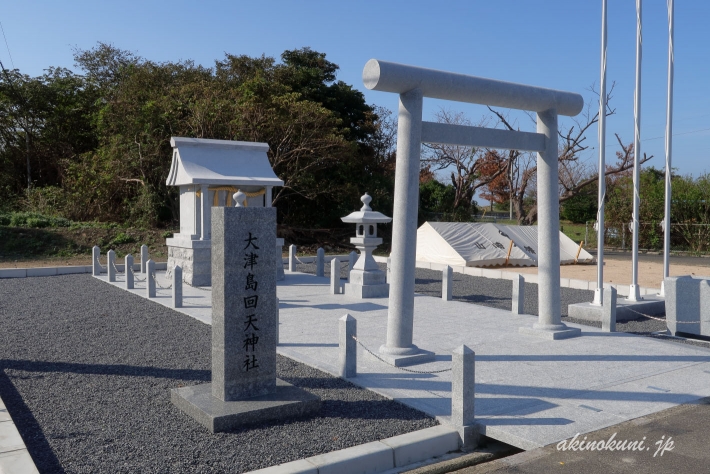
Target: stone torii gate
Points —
{"points": [[413, 84]]}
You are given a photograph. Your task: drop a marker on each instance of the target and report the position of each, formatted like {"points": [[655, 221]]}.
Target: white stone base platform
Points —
{"points": [[626, 310], [530, 392]]}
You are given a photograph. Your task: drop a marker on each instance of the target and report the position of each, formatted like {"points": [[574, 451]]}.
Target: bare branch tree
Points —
{"points": [[463, 163], [574, 174]]}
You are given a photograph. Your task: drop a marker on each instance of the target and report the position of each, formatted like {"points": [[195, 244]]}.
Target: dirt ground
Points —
{"points": [[617, 267]]}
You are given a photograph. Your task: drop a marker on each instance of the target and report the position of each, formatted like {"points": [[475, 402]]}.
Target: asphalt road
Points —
{"points": [[674, 441]]}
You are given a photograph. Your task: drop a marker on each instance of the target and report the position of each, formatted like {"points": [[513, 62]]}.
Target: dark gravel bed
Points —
{"points": [[86, 371]]}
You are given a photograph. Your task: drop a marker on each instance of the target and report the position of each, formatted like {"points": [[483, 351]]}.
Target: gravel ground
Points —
{"points": [[86, 374]]}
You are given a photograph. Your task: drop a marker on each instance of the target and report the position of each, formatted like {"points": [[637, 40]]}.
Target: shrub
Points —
{"points": [[122, 238], [32, 219]]}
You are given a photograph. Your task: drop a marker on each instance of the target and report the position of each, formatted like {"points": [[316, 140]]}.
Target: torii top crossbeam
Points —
{"points": [[399, 78]]}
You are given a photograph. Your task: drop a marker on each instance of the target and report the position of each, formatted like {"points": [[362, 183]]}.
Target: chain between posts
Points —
{"points": [[661, 319], [115, 268], [155, 279], [400, 368], [313, 263], [98, 262], [196, 287], [134, 275]]}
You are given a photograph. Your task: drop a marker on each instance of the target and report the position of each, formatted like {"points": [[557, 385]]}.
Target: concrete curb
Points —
{"points": [[377, 456], [456, 461], [69, 270], [622, 290]]}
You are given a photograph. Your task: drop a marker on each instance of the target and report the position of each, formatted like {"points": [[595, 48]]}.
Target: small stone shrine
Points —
{"points": [[244, 386], [366, 278], [208, 173]]}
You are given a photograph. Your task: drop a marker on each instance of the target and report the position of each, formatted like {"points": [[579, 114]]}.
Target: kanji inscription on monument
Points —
{"points": [[244, 386], [243, 302]]}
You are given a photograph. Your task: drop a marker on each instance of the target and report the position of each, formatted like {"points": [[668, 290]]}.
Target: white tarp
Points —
{"points": [[486, 244]]}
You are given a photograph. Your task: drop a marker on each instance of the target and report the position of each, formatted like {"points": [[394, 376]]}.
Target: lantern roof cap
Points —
{"points": [[366, 215]]}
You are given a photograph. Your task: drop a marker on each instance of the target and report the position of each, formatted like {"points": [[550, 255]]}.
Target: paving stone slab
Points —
{"points": [[17, 462]]}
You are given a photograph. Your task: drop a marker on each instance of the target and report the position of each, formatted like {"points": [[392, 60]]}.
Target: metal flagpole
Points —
{"points": [[599, 292], [669, 150], [634, 294]]}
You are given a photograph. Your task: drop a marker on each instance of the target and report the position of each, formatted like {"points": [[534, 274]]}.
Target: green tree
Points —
{"points": [[581, 207]]}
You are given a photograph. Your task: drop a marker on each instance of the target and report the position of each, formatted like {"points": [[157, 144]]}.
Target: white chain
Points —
{"points": [[114, 267], [400, 368], [661, 319], [155, 279], [134, 275], [196, 287], [98, 262]]}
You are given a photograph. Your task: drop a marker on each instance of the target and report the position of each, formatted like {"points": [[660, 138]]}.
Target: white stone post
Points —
{"points": [[609, 310], [291, 258], [144, 257], [95, 264], [548, 226], [278, 322], [347, 356], [149, 280], [177, 287], [447, 283], [111, 265], [463, 384], [335, 285], [128, 269], [518, 295], [279, 259], [320, 262], [400, 315], [549, 323], [268, 197], [389, 268], [205, 213]]}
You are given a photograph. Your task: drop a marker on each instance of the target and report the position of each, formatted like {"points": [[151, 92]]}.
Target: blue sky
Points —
{"points": [[548, 43]]}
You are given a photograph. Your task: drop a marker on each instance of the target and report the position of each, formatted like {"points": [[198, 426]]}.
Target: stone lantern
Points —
{"points": [[366, 279]]}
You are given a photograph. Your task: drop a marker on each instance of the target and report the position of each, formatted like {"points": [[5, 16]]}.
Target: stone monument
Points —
{"points": [[244, 386], [366, 279]]}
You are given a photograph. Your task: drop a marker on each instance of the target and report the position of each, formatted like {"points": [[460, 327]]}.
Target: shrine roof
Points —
{"points": [[220, 162]]}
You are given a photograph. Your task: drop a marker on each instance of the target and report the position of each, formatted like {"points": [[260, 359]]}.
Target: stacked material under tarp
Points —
{"points": [[486, 244]]}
